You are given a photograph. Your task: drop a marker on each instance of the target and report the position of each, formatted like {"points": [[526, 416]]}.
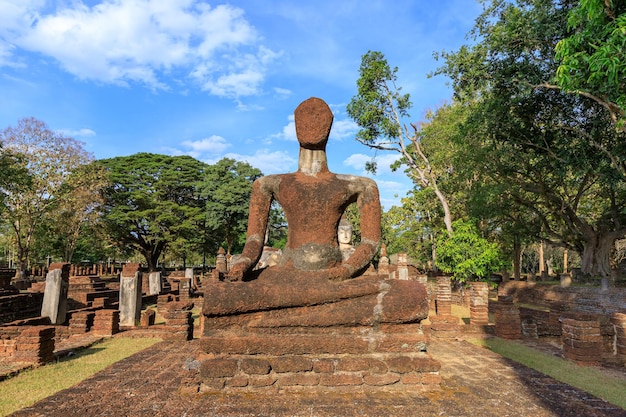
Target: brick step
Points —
{"points": [[299, 344], [416, 372]]}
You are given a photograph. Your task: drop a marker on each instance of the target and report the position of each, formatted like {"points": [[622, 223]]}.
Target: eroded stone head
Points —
{"points": [[313, 120]]}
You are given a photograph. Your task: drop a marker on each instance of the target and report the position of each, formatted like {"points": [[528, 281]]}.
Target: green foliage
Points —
{"points": [[378, 104], [592, 58], [41, 166], [226, 190], [548, 161], [152, 201], [467, 255], [380, 110]]}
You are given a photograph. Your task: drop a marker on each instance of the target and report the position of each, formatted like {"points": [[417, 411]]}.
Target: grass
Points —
{"points": [[595, 381], [32, 385]]}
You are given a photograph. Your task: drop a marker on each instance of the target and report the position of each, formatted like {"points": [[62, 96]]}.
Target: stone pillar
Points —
{"points": [[479, 303], [130, 295], [220, 263], [154, 287], [55, 296], [507, 317], [444, 325], [383, 262], [443, 305], [618, 320], [403, 267], [184, 289], [582, 340]]}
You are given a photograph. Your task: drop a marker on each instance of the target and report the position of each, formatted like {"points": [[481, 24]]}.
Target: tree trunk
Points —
{"points": [[517, 260], [542, 261], [565, 261], [596, 255]]}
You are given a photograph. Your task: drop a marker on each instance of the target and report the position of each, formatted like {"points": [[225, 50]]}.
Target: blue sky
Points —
{"points": [[212, 79]]}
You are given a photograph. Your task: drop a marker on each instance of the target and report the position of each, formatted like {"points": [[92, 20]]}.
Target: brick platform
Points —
{"points": [[405, 372], [475, 382]]}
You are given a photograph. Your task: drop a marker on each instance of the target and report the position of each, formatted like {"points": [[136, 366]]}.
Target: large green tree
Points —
{"points": [[152, 200], [226, 189], [42, 161], [592, 58], [540, 144], [382, 113]]}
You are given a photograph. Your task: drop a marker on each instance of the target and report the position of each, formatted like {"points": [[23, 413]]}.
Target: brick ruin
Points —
{"points": [[91, 311], [590, 323]]}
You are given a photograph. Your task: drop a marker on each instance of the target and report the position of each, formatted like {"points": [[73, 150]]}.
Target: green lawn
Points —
{"points": [[32, 385], [602, 383]]}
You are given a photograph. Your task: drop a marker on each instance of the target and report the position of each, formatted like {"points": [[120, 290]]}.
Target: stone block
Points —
{"points": [[284, 364], [218, 368], [383, 379], [255, 366], [298, 379], [340, 380]]}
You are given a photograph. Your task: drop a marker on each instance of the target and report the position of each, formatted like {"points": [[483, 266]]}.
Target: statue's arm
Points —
{"points": [[260, 202], [368, 203]]}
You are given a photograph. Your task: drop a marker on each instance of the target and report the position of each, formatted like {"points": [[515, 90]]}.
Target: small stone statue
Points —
{"points": [[344, 235]]}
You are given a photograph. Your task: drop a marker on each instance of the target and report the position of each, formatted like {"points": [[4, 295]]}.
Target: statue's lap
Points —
{"points": [[300, 300]]}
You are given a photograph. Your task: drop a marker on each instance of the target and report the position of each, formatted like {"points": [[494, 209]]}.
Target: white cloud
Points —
{"points": [[77, 132], [207, 147], [125, 41], [268, 162], [343, 129]]}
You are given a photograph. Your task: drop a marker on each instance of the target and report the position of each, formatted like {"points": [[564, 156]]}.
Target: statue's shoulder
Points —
{"points": [[358, 183], [268, 183]]}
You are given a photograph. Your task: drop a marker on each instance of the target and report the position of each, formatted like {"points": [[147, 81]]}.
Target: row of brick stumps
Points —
{"points": [[507, 318], [35, 345], [179, 321], [106, 322], [618, 320], [384, 371], [582, 339], [479, 303], [81, 322], [444, 325]]}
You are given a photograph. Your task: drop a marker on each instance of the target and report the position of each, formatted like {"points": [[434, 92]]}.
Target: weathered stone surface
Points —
{"points": [[55, 296]]}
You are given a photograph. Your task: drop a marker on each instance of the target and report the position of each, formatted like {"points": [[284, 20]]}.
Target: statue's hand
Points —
{"points": [[237, 271], [339, 273]]}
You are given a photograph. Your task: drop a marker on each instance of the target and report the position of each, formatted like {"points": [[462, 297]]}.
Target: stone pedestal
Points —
{"points": [[479, 303], [444, 297], [130, 295], [55, 296], [582, 339], [507, 317], [359, 333]]}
